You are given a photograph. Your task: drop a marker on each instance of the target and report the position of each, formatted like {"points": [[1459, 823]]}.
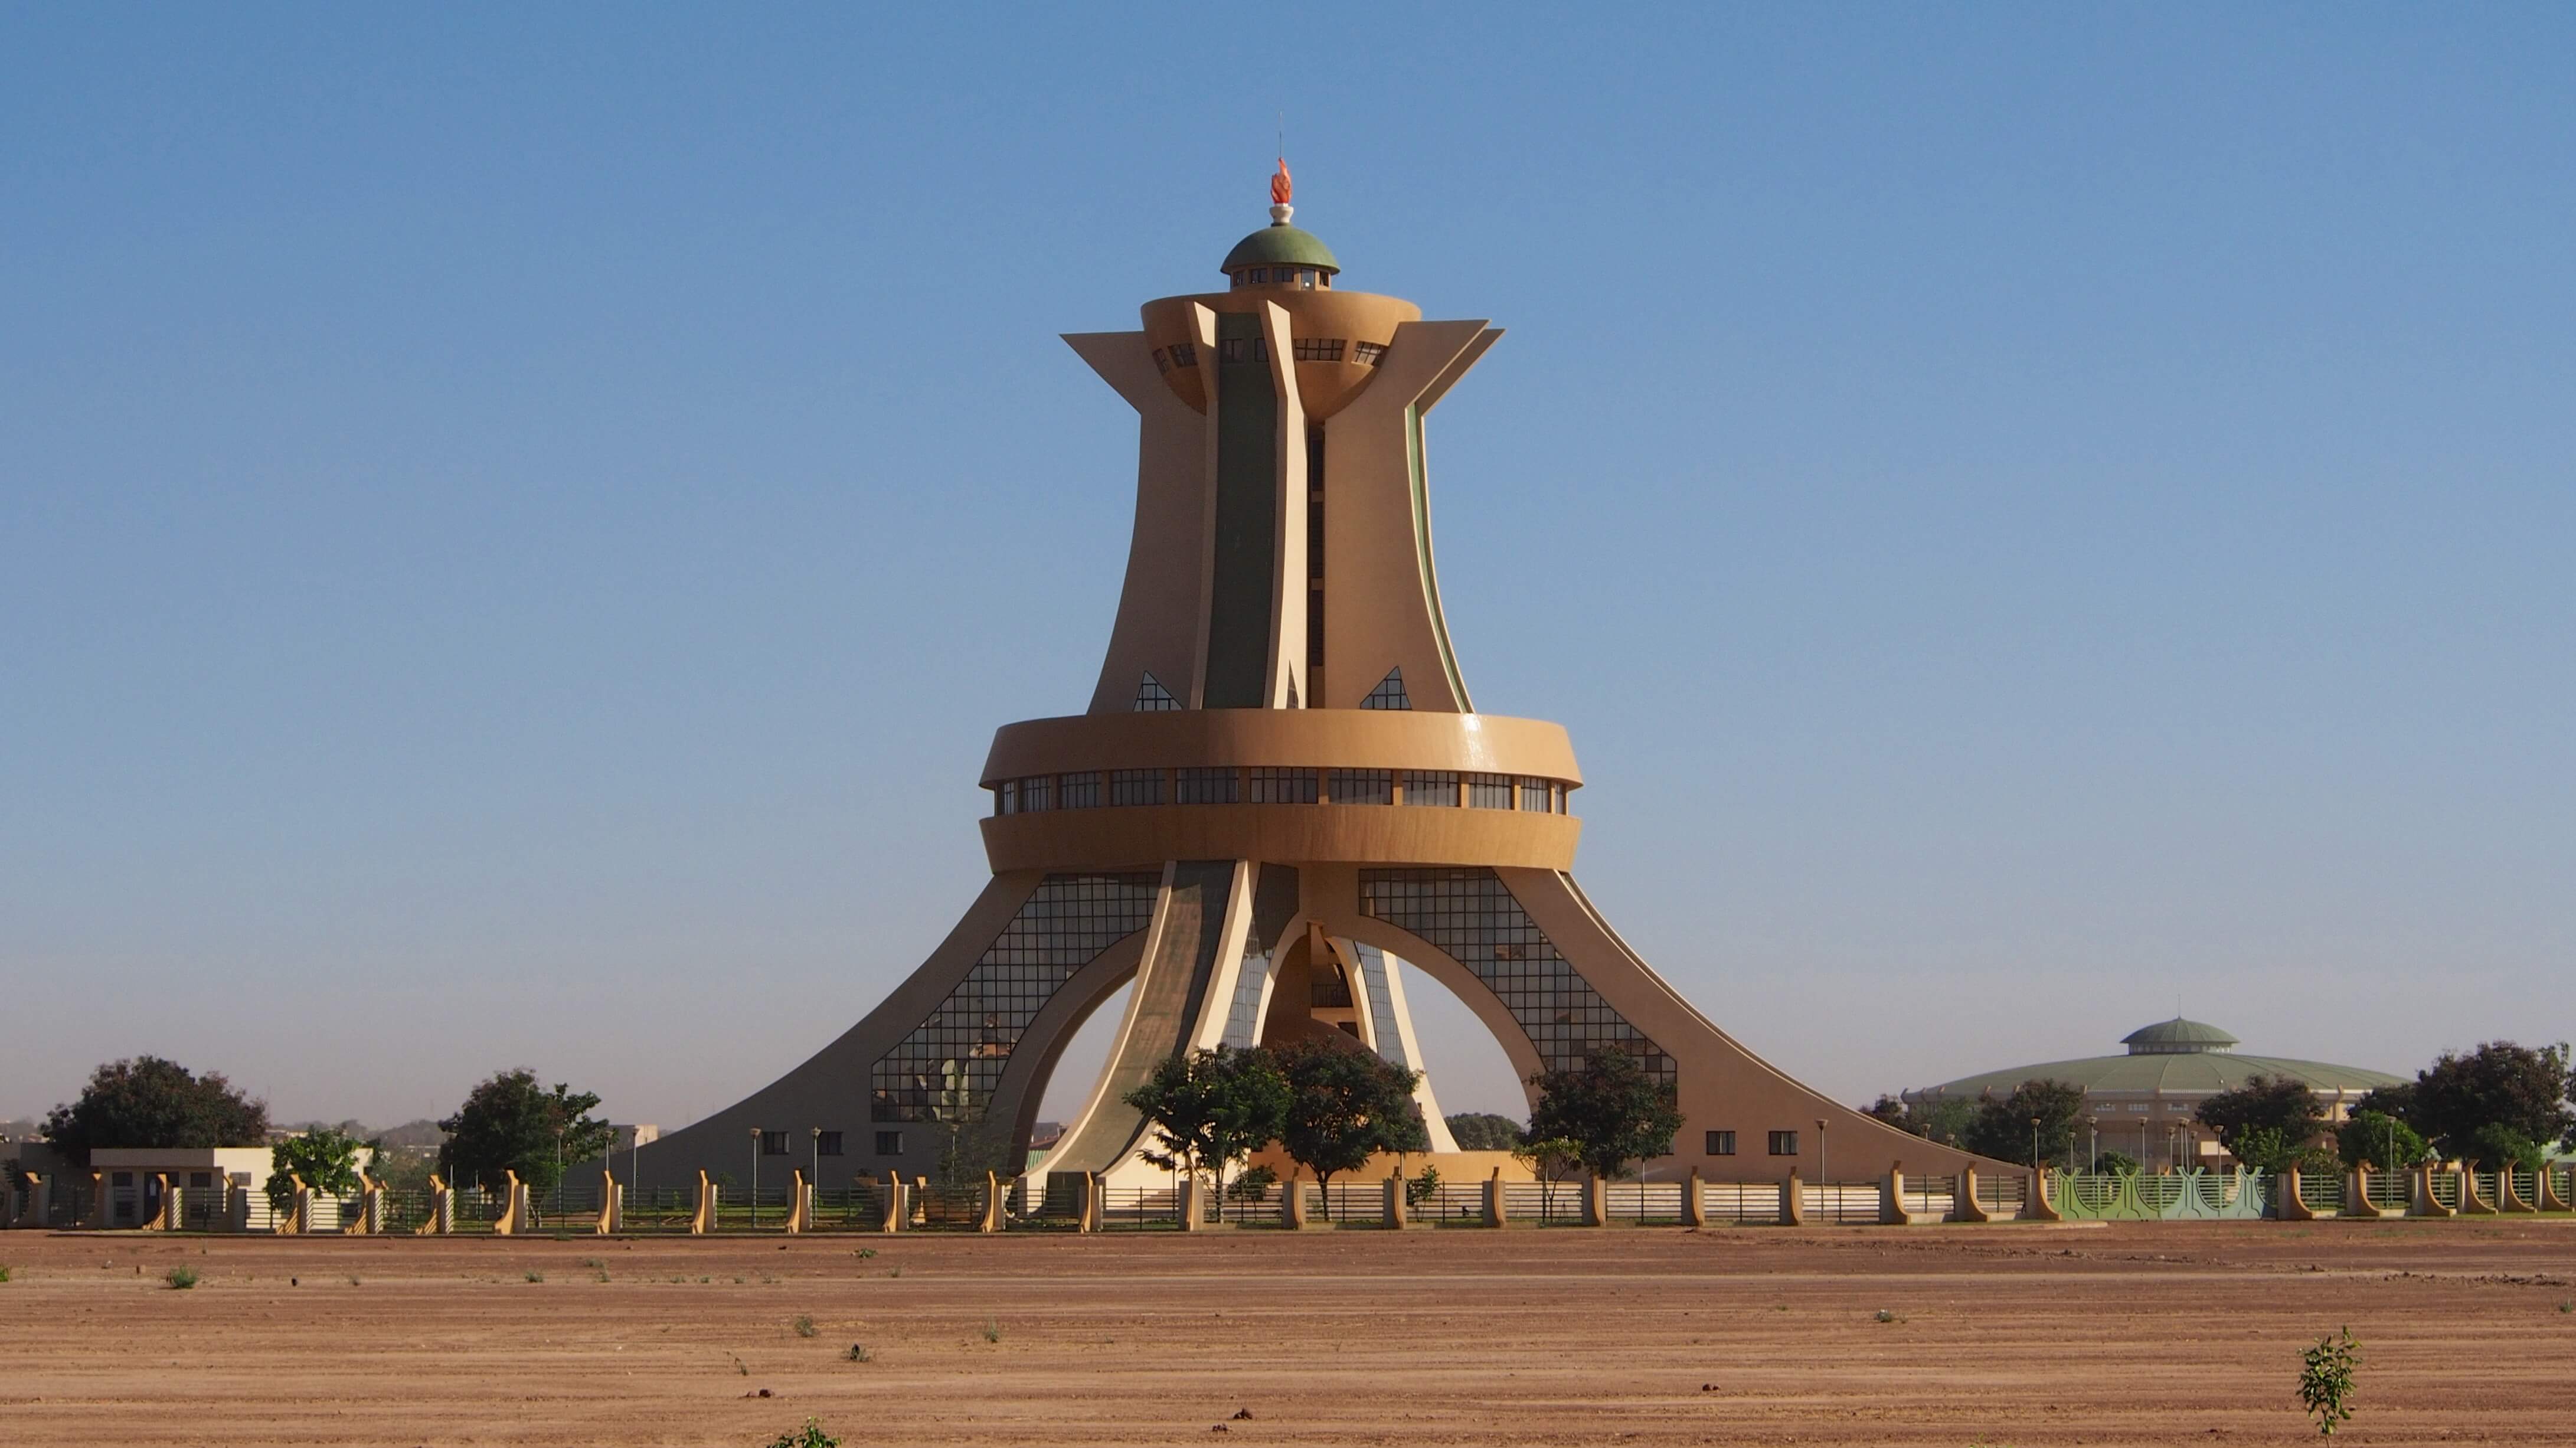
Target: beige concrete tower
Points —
{"points": [[1280, 791]]}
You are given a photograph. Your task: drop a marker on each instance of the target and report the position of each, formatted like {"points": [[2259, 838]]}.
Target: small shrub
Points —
{"points": [[1884, 1315], [4, 1274], [536, 1277], [992, 1330], [897, 1272], [593, 1263], [1422, 1188], [1252, 1184], [182, 1278], [866, 1252], [2326, 1380], [599, 1276], [804, 1326], [809, 1436], [859, 1353]]}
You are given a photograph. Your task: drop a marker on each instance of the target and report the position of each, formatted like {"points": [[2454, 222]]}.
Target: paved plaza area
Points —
{"points": [[2010, 1334]]}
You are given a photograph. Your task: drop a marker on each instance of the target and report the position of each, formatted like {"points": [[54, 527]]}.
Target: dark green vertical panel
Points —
{"points": [[1247, 526]]}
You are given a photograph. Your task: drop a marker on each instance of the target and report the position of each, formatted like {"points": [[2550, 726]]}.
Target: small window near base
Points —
{"points": [[1784, 1143], [827, 1143], [889, 1143]]}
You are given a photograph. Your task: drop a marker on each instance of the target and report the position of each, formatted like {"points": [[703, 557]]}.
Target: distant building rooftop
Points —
{"points": [[2172, 1058]]}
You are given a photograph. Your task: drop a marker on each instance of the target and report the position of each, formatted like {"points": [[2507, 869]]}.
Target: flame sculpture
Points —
{"points": [[1280, 185]]}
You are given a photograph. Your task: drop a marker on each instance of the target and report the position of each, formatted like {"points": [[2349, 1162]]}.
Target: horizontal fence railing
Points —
{"points": [[1055, 1203]]}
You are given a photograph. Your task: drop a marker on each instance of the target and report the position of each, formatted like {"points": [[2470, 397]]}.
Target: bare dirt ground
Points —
{"points": [[2011, 1334]]}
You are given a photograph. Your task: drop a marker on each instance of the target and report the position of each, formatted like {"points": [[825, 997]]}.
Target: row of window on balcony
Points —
{"points": [[1257, 349], [1438, 788]]}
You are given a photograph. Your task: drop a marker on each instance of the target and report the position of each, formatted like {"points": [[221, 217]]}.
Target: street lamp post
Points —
{"points": [[2034, 1143], [1820, 1157], [755, 1179], [2093, 1142]]}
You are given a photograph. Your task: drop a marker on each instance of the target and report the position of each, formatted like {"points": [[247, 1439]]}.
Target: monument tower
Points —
{"points": [[1279, 791]]}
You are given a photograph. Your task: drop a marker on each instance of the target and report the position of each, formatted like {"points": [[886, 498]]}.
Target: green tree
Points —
{"points": [[151, 1102], [1550, 1159], [2265, 1148], [509, 1123], [2497, 1147], [1484, 1131], [1210, 1109], [2498, 1084], [1946, 1120], [2378, 1137], [1346, 1104], [325, 1157], [2003, 1127], [2282, 1105], [2116, 1163], [1612, 1107]]}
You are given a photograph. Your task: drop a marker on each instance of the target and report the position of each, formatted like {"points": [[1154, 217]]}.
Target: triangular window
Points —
{"points": [[1389, 693], [1153, 698], [1292, 691]]}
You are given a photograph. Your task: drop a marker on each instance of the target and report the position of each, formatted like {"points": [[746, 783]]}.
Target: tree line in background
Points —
{"points": [[507, 1123], [1332, 1105], [2501, 1104]]}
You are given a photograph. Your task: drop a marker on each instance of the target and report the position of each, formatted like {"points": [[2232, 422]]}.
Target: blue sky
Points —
{"points": [[515, 529]]}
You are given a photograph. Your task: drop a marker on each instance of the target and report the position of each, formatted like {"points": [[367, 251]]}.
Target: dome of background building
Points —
{"points": [[2141, 1103], [2175, 1037]]}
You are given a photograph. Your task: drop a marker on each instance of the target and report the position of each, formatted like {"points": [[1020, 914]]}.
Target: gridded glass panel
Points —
{"points": [[1152, 697], [1135, 786], [1369, 353], [947, 1069], [1431, 786], [1080, 791], [1037, 792], [1185, 354], [1282, 786], [1489, 791], [1204, 786], [1362, 786], [1006, 797], [1389, 693], [1534, 793], [1472, 915], [1318, 349]]}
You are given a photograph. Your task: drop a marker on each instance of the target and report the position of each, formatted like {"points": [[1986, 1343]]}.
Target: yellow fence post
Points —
{"points": [[1495, 1215], [1793, 1202], [442, 1210], [1964, 1206], [1694, 1201], [612, 1204], [514, 1201], [2356, 1195], [703, 1220], [2471, 1204], [2037, 1207], [991, 1220]]}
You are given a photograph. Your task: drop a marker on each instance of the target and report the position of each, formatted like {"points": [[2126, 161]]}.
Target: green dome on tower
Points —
{"points": [[1280, 244]]}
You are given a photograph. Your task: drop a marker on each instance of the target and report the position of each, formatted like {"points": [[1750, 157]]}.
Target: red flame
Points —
{"points": [[1279, 184]]}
